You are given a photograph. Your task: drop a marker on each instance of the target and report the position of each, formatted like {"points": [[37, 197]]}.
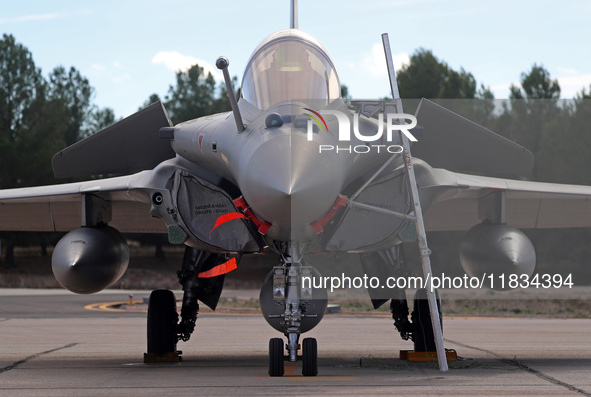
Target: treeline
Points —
{"points": [[39, 116], [557, 132]]}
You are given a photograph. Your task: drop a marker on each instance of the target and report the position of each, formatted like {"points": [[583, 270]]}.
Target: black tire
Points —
{"points": [[162, 322], [309, 357], [276, 357], [424, 339]]}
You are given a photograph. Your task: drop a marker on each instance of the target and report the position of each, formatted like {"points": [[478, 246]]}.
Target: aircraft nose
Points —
{"points": [[289, 184]]}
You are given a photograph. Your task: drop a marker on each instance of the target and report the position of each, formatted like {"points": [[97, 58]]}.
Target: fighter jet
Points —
{"points": [[291, 169]]}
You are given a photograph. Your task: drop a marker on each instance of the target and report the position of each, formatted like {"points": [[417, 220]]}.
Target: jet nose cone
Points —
{"points": [[288, 183]]}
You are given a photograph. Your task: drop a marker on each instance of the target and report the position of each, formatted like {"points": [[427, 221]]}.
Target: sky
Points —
{"points": [[130, 49]]}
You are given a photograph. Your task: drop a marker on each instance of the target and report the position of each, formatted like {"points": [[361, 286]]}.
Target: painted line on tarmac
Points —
{"points": [[456, 317], [112, 307], [290, 372], [290, 368], [115, 307], [323, 378]]}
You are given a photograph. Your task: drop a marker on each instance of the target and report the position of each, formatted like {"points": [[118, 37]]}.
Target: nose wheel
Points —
{"points": [[276, 357], [309, 357]]}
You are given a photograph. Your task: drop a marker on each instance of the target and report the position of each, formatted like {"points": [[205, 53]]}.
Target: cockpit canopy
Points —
{"points": [[290, 65]]}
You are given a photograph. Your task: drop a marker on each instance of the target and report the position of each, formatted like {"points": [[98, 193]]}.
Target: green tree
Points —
{"points": [[533, 117], [426, 76], [536, 84], [20, 83], [584, 94], [44, 136], [32, 127], [345, 94], [192, 96], [96, 120], [221, 102], [75, 92], [573, 138], [152, 99]]}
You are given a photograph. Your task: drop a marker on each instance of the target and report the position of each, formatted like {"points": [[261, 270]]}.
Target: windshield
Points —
{"points": [[290, 69]]}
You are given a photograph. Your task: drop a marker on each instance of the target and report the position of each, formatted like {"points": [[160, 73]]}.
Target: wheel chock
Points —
{"points": [[411, 355], [157, 358]]}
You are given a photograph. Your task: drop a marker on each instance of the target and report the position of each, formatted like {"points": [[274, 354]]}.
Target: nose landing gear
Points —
{"points": [[292, 306]]}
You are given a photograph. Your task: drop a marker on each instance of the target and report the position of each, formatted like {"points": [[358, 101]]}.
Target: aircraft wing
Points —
{"points": [[458, 201], [59, 207]]}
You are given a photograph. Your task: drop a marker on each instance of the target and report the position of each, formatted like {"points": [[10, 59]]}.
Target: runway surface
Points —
{"points": [[50, 345]]}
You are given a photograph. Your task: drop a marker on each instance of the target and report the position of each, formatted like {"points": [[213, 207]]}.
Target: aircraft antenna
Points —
{"points": [[294, 15], [222, 63]]}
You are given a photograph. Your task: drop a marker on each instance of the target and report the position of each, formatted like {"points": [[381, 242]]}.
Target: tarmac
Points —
{"points": [[52, 345]]}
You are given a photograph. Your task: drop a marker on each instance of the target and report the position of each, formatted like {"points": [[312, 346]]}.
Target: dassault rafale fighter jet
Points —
{"points": [[293, 170]]}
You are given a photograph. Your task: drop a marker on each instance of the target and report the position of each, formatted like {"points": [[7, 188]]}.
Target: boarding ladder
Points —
{"points": [[416, 215]]}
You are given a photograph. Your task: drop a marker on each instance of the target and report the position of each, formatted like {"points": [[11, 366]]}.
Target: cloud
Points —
{"points": [[502, 90], [374, 62], [45, 17], [98, 68], [175, 61], [567, 71], [115, 72], [572, 85], [31, 17]]}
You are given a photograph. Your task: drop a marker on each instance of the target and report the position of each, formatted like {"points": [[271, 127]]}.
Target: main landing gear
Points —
{"points": [[420, 330], [164, 327], [391, 263]]}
